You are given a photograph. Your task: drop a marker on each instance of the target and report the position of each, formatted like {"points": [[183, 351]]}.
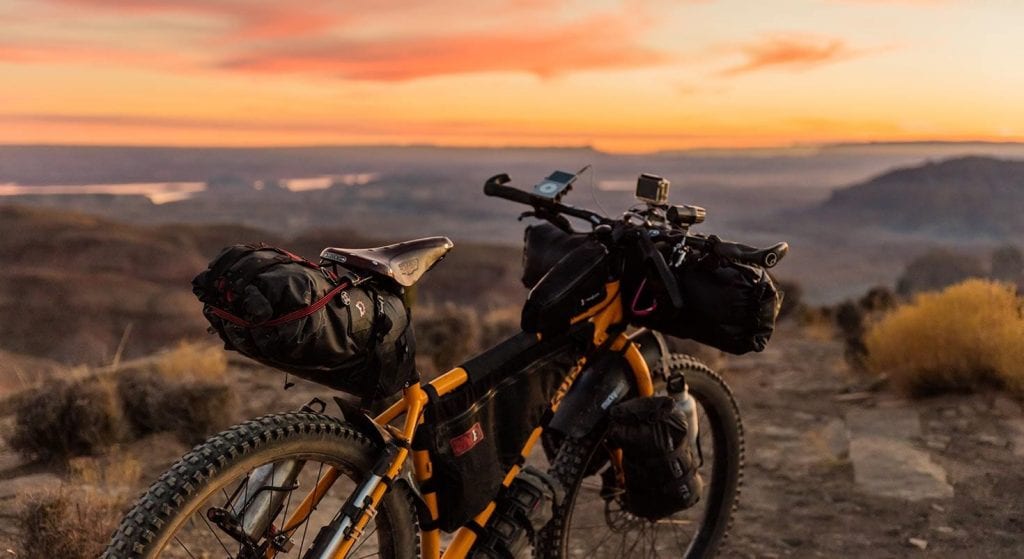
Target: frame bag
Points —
{"points": [[476, 433], [286, 312]]}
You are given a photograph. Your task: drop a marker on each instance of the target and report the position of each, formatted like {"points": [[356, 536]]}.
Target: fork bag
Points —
{"points": [[659, 466]]}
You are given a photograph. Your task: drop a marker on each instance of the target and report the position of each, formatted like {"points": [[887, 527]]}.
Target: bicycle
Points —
{"points": [[237, 494]]}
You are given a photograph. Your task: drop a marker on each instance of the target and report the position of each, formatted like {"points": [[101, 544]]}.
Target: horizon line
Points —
{"points": [[519, 147]]}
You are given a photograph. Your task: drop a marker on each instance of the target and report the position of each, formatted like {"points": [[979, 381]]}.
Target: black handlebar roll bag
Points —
{"points": [[286, 312], [726, 304]]}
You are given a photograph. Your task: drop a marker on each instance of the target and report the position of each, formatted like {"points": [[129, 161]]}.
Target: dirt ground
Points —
{"points": [[831, 470]]}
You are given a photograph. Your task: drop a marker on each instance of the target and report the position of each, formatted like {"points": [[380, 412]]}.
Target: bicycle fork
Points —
{"points": [[359, 509]]}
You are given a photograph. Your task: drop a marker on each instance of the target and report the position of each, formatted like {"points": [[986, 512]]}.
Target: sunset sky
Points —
{"points": [[629, 75]]}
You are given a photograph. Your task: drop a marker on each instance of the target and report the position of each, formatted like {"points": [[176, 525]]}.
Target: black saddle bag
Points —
{"points": [[659, 466], [288, 313], [476, 433], [726, 305]]}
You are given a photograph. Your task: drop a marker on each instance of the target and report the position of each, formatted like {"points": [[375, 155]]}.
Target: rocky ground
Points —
{"points": [[832, 470], [836, 472]]}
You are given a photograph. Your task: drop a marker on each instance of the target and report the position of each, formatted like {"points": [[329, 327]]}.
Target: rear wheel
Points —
{"points": [[591, 525], [183, 515]]}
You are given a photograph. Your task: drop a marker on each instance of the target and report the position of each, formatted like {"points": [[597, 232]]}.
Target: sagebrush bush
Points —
{"points": [[190, 408], [967, 335], [65, 418], [447, 334], [193, 361], [68, 523], [792, 298]]}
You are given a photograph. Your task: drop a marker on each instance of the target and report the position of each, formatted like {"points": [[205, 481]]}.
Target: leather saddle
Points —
{"points": [[404, 262]]}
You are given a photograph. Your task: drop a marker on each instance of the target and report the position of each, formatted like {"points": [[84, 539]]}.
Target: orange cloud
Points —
{"points": [[84, 54], [796, 52], [579, 46]]}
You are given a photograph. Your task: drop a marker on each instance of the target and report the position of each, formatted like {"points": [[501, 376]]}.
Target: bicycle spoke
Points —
{"points": [[183, 546], [363, 540], [305, 527]]}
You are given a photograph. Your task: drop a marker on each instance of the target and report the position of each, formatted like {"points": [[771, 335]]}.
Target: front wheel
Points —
{"points": [[195, 508], [589, 524]]}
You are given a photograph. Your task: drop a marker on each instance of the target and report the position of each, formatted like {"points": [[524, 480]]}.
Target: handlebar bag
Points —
{"points": [[476, 433], [286, 312], [726, 305], [576, 283], [543, 246], [658, 463]]}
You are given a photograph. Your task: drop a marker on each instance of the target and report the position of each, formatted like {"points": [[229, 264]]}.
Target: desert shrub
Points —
{"points": [[1008, 264], [193, 361], [447, 334], [937, 269], [190, 408], [498, 324], [65, 418], [854, 317], [965, 336], [67, 523], [792, 298], [878, 298]]}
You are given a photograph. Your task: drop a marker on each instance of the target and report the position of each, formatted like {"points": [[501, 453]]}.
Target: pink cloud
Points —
{"points": [[796, 52], [587, 45], [252, 19]]}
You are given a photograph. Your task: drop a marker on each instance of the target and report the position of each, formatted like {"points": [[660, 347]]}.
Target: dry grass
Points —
{"points": [[193, 362], [65, 418], [112, 473], [68, 523], [76, 521], [965, 336]]}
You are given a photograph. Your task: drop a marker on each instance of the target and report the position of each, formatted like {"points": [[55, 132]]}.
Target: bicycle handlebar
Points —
{"points": [[766, 257], [495, 186]]}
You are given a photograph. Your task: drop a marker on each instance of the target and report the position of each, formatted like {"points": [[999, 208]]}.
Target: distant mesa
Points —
{"points": [[971, 197]]}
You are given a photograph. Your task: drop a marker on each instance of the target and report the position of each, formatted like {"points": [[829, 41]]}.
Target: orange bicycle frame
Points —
{"points": [[604, 316]]}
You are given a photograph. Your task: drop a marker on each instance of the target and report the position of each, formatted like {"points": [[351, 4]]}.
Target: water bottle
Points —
{"points": [[680, 392]]}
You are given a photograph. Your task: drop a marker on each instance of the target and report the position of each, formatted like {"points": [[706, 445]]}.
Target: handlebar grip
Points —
{"points": [[767, 257], [495, 186]]}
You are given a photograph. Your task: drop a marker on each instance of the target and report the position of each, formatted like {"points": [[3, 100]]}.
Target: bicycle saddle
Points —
{"points": [[404, 262]]}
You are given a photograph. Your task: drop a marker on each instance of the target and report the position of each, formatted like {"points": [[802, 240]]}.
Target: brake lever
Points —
{"points": [[665, 274]]}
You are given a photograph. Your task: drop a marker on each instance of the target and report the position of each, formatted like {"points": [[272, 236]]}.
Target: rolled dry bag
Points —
{"points": [[659, 466], [286, 312]]}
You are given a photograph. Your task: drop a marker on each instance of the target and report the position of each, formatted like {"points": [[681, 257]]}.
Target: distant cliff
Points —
{"points": [[963, 197]]}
